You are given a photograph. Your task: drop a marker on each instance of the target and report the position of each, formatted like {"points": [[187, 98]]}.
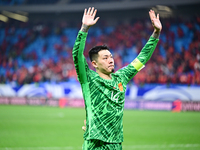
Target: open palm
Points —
{"points": [[155, 20], [88, 17]]}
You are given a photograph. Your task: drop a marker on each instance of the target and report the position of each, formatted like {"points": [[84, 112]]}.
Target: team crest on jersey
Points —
{"points": [[120, 86]]}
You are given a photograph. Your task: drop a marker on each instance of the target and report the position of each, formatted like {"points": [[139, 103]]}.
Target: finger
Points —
{"points": [[96, 19], [88, 13], [94, 14], [153, 14], [85, 122], [85, 12], [91, 12], [157, 16], [150, 15]]}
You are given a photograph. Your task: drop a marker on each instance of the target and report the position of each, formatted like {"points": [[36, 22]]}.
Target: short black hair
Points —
{"points": [[93, 52]]}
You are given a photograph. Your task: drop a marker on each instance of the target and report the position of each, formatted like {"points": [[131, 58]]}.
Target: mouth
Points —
{"points": [[112, 66]]}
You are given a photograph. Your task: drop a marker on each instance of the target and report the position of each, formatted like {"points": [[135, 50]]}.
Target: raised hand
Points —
{"points": [[155, 21], [89, 18]]}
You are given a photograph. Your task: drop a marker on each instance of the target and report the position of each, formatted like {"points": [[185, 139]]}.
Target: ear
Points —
{"points": [[94, 64]]}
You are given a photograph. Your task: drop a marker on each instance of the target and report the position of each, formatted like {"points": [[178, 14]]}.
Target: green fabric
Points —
{"points": [[104, 99], [147, 50], [100, 145]]}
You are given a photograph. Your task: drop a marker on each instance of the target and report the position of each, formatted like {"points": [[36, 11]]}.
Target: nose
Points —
{"points": [[111, 61]]}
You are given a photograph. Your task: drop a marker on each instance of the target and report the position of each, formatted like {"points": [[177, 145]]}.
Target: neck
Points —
{"points": [[104, 76]]}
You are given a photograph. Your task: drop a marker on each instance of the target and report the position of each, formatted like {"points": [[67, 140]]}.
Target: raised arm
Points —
{"points": [[138, 63], [150, 46], [77, 52]]}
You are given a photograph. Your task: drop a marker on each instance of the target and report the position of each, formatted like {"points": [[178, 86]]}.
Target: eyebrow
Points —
{"points": [[108, 55]]}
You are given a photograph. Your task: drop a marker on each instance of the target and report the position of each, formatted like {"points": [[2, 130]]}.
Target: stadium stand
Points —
{"points": [[42, 52], [12, 2], [27, 2]]}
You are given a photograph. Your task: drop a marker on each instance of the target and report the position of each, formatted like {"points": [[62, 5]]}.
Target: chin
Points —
{"points": [[113, 70]]}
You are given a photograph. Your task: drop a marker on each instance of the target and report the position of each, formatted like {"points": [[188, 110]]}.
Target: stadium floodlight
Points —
{"points": [[15, 16], [3, 18], [164, 11]]}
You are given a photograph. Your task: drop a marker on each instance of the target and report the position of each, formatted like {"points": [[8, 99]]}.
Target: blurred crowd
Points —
{"points": [[42, 52], [39, 2], [92, 1], [27, 2]]}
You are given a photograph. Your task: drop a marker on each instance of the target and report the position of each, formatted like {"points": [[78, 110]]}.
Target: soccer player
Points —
{"points": [[104, 90]]}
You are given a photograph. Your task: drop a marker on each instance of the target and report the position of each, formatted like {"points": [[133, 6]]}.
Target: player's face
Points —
{"points": [[105, 62]]}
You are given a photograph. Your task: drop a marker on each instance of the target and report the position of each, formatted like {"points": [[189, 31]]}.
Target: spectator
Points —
{"points": [[42, 52]]}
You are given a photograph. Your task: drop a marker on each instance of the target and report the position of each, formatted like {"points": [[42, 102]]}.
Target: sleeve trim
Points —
{"points": [[85, 33]]}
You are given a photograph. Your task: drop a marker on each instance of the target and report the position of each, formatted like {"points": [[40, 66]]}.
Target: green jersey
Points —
{"points": [[104, 99]]}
